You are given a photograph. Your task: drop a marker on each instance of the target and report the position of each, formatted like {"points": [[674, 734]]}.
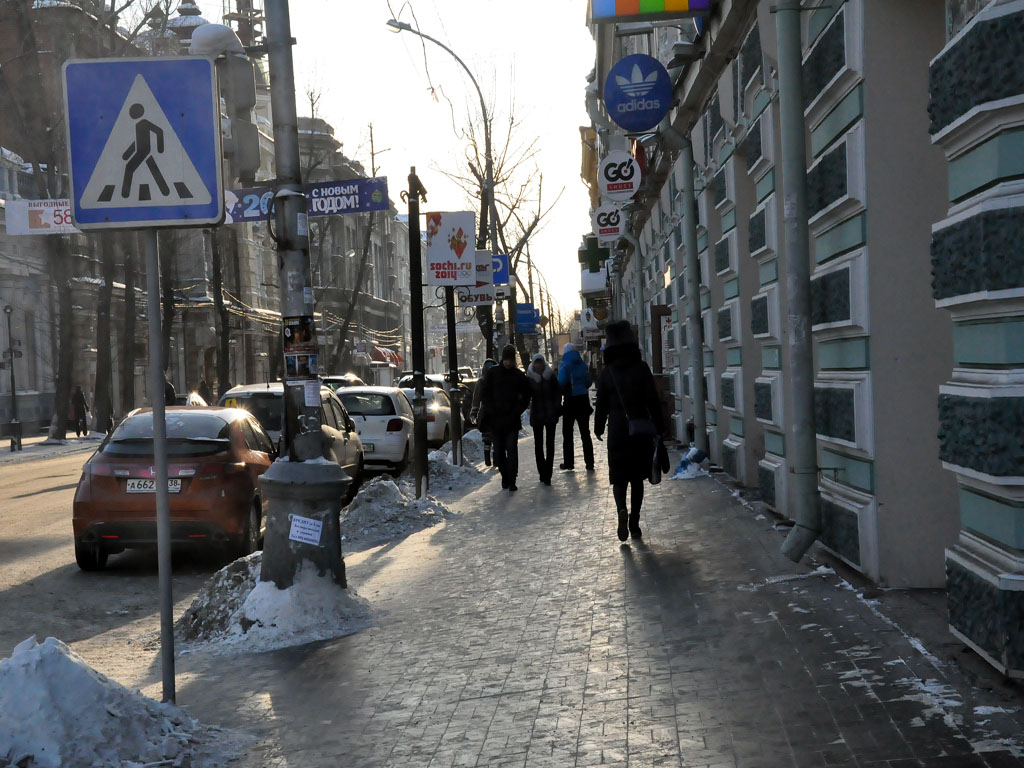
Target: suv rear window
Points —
{"points": [[367, 403], [189, 433], [265, 406]]}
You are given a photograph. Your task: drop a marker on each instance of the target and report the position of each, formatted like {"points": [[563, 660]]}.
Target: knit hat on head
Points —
{"points": [[508, 352], [568, 348], [618, 333]]}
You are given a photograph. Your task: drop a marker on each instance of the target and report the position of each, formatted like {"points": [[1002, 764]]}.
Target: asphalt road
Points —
{"points": [[42, 591]]}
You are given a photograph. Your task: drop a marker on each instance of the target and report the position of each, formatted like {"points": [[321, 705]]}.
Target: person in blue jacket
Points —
{"points": [[575, 380]]}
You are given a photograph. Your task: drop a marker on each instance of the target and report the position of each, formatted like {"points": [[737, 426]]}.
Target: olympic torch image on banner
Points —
{"points": [[451, 252]]}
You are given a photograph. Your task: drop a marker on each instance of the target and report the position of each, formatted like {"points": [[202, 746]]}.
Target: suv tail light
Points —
{"points": [[431, 417], [394, 425], [214, 469]]}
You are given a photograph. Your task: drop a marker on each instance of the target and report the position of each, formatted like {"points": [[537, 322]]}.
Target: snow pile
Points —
{"points": [[383, 511], [688, 472], [445, 476], [236, 611], [472, 447], [56, 711]]}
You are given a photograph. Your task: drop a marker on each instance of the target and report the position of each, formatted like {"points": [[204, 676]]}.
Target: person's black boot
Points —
{"points": [[487, 457], [623, 529], [634, 525]]}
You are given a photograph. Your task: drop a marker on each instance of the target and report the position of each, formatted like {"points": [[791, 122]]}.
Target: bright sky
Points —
{"points": [[533, 53]]}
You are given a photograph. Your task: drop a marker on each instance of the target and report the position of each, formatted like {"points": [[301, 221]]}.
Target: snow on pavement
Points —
{"points": [[384, 511], [235, 612], [58, 712]]}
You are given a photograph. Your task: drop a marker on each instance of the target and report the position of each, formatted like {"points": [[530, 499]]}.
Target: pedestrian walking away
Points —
{"points": [[574, 379], [627, 402], [205, 392], [169, 393], [545, 405], [506, 394], [79, 409], [475, 415]]}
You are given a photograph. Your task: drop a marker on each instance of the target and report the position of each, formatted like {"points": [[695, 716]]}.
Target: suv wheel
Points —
{"points": [[90, 557]]}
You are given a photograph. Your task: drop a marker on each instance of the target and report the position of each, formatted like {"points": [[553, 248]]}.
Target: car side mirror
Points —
{"points": [[349, 424]]}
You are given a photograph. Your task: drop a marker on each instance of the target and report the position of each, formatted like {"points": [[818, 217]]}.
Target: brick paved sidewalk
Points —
{"points": [[522, 633]]}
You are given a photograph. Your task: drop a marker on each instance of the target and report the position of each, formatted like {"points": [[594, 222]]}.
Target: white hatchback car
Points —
{"points": [[439, 414], [384, 420]]}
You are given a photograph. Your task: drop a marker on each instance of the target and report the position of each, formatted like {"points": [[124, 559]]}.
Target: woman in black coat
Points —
{"points": [[626, 391], [545, 407]]}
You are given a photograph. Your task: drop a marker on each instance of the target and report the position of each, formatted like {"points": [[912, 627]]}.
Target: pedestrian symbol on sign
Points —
{"points": [[143, 162]]}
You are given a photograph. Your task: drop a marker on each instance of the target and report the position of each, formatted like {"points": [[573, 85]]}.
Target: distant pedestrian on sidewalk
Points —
{"points": [[574, 379], [544, 409], [628, 402], [476, 413], [205, 392], [79, 409], [506, 393], [169, 394]]}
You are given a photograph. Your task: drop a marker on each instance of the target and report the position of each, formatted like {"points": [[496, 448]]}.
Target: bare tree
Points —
{"points": [[518, 196]]}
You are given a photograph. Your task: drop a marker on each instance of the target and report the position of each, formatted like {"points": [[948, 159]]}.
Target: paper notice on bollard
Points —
{"points": [[311, 393], [306, 530]]}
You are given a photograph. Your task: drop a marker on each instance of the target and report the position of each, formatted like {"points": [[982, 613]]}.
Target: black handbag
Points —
{"points": [[655, 476], [641, 426]]}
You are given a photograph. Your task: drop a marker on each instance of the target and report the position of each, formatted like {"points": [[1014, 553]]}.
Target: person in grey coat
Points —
{"points": [[545, 407]]}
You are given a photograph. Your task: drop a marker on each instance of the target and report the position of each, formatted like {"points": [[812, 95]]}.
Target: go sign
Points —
{"points": [[619, 176], [609, 222]]}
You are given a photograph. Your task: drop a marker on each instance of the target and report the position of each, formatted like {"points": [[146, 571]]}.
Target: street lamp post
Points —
{"points": [[402, 26], [15, 423]]}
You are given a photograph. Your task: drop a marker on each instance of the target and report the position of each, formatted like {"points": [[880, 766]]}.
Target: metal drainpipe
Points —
{"points": [[694, 324], [802, 448], [640, 333]]}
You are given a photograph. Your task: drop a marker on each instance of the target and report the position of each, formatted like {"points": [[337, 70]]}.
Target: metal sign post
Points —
{"points": [[144, 148]]}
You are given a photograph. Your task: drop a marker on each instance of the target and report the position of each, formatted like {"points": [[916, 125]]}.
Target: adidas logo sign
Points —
{"points": [[636, 85]]}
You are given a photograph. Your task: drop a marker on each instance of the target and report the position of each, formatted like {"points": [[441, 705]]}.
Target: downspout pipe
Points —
{"points": [[801, 440], [694, 324], [641, 335]]}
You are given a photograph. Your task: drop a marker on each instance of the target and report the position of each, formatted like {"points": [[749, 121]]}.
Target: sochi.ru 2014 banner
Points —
{"points": [[451, 251]]}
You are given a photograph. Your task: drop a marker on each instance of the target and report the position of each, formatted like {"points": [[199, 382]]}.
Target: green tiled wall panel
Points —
{"points": [[990, 344], [1000, 157], [856, 473], [771, 358], [731, 288], [842, 116], [775, 443], [997, 520], [844, 355], [736, 426], [765, 186], [728, 221], [851, 234], [734, 356], [769, 272]]}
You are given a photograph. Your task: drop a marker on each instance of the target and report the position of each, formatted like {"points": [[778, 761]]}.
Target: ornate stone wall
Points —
{"points": [[826, 60], [840, 531], [982, 433], [830, 297], [981, 253], [835, 413]]}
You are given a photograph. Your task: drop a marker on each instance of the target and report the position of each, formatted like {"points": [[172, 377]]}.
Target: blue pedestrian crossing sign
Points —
{"points": [[144, 142]]}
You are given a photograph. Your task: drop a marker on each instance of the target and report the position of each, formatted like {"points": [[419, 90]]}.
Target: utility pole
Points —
{"points": [[694, 324], [419, 403], [303, 495], [15, 422]]}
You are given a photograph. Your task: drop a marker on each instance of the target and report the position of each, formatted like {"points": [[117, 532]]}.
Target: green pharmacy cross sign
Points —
{"points": [[594, 255]]}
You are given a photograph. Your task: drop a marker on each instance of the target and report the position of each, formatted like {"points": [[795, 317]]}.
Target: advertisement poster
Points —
{"points": [[39, 217], [451, 256], [483, 293], [323, 198]]}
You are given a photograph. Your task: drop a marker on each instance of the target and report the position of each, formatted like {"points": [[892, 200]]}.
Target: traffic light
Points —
{"points": [[242, 145]]}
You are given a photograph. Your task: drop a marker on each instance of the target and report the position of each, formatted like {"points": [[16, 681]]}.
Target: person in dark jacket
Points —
{"points": [[626, 391], [169, 394], [545, 406], [205, 392], [79, 409], [506, 393], [475, 414], [574, 379]]}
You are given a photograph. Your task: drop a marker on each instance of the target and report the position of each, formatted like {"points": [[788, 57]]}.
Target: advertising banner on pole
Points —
{"points": [[323, 198], [638, 92], [482, 294], [451, 258], [40, 217]]}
